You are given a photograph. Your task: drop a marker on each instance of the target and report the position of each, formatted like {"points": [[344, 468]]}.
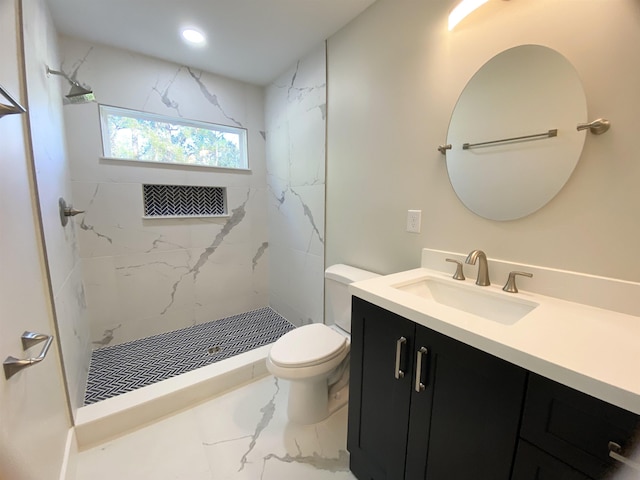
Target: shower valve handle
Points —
{"points": [[66, 211], [71, 212]]}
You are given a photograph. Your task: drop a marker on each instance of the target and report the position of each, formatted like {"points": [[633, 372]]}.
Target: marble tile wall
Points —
{"points": [[295, 112], [53, 178], [147, 276]]}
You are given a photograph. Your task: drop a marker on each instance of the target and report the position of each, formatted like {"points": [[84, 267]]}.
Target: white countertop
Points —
{"points": [[591, 349]]}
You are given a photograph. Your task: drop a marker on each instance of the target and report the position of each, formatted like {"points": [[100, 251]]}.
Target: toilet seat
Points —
{"points": [[308, 346]]}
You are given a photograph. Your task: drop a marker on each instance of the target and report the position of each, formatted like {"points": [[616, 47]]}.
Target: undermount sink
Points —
{"points": [[470, 299]]}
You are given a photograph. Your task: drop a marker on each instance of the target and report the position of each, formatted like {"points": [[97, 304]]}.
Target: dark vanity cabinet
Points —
{"points": [[425, 406], [378, 401], [567, 434]]}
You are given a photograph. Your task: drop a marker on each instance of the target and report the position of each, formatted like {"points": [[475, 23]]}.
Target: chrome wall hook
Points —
{"points": [[597, 127]]}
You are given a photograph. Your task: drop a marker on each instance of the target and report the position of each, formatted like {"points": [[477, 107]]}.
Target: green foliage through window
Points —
{"points": [[133, 135]]}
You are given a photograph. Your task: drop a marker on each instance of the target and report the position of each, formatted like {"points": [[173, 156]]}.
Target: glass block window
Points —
{"points": [[140, 136], [170, 201]]}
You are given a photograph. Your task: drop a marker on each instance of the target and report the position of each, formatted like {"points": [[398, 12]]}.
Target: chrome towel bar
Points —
{"points": [[549, 134], [597, 127]]}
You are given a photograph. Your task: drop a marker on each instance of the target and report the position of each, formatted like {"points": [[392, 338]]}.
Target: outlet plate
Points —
{"points": [[414, 219]]}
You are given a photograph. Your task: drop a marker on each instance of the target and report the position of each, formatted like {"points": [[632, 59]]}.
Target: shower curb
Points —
{"points": [[99, 422]]}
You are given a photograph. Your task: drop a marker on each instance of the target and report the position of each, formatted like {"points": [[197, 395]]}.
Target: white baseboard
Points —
{"points": [[70, 459]]}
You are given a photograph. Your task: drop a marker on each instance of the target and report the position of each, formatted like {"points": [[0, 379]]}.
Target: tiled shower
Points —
{"points": [[125, 367], [137, 277]]}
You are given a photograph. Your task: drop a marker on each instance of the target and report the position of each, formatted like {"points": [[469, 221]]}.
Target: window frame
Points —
{"points": [[105, 110]]}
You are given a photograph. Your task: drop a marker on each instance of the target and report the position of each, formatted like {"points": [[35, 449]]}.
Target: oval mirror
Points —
{"points": [[513, 135]]}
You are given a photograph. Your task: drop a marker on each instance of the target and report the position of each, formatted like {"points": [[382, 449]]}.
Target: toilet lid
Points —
{"points": [[306, 346]]}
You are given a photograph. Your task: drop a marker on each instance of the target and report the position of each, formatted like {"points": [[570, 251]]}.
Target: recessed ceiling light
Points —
{"points": [[193, 36]]}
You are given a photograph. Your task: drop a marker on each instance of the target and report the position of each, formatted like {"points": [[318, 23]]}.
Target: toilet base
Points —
{"points": [[338, 399], [312, 402]]}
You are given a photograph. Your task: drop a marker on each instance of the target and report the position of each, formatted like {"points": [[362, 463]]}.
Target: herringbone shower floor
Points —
{"points": [[125, 367]]}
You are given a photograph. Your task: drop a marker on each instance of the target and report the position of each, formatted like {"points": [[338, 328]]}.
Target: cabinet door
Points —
{"points": [[464, 424], [379, 402], [534, 464], [576, 427]]}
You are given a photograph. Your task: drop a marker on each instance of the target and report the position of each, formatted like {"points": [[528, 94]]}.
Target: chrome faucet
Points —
{"points": [[483, 270]]}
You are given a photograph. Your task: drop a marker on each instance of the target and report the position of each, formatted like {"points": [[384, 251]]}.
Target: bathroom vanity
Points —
{"points": [[441, 393]]}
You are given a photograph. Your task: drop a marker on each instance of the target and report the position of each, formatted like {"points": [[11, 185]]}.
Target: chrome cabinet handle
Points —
{"points": [[13, 365], [419, 386], [614, 452], [399, 343]]}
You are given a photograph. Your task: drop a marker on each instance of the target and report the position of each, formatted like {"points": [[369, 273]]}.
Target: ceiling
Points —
{"points": [[248, 40]]}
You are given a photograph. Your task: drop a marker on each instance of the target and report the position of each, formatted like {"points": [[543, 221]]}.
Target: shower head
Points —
{"points": [[78, 93]]}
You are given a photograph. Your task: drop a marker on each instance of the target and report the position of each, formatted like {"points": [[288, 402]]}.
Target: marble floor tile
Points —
{"points": [[168, 449], [243, 434]]}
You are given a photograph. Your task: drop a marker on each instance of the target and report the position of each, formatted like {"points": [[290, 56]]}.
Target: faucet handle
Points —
{"points": [[459, 275], [510, 286]]}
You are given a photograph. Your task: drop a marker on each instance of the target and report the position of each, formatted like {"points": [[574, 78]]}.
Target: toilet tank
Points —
{"points": [[337, 297]]}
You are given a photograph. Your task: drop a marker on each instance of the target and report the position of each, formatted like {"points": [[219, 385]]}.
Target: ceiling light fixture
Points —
{"points": [[464, 8], [193, 36]]}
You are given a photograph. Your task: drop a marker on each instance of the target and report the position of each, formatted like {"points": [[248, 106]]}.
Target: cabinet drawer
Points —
{"points": [[575, 427], [534, 464]]}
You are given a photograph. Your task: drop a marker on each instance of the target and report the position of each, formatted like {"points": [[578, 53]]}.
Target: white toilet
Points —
{"points": [[315, 357]]}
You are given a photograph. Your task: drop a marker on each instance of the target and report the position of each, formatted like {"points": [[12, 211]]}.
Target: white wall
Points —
{"points": [[34, 418], [394, 76], [144, 277], [54, 181], [295, 115]]}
